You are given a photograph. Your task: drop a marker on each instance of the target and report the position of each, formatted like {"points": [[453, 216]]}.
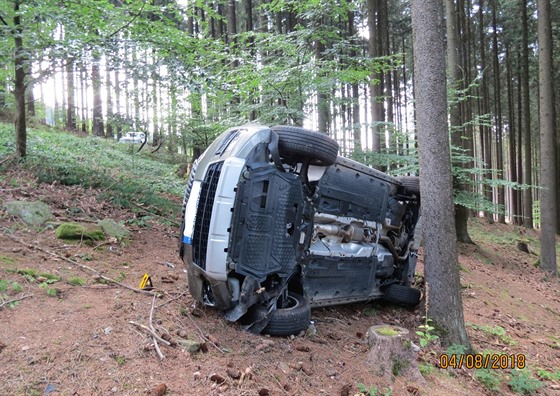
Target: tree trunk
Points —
{"points": [[30, 94], [98, 128], [485, 133], [83, 83], [498, 115], [118, 102], [527, 160], [70, 102], [323, 105], [514, 194], [375, 86], [454, 66], [445, 306], [549, 173], [109, 102], [19, 85]]}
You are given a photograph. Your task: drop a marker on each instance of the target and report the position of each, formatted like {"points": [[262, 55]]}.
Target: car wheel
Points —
{"points": [[295, 144], [405, 295], [411, 184], [291, 319]]}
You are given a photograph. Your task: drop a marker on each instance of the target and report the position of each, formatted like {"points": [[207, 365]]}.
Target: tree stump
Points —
{"points": [[391, 353]]}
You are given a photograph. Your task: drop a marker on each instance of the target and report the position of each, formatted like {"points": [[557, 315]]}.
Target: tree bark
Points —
{"points": [[444, 305], [498, 114], [485, 134], [514, 194], [549, 173], [70, 102], [454, 66], [98, 128], [375, 85], [19, 85], [527, 160]]}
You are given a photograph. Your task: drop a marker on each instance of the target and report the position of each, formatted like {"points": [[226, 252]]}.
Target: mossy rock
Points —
{"points": [[79, 231], [34, 213], [113, 229]]}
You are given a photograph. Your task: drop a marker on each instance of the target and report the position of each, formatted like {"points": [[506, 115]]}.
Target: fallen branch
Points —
{"points": [[15, 300], [150, 322], [150, 211], [152, 333], [201, 335], [6, 159], [171, 300], [82, 266]]}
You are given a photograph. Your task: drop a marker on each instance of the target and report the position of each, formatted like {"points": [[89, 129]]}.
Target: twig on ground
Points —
{"points": [[15, 300], [9, 157], [171, 300], [147, 209], [152, 333], [167, 264], [104, 243], [201, 335], [150, 323], [82, 266]]}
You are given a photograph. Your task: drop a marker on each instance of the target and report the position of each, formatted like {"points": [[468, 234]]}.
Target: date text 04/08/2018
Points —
{"points": [[479, 361]]}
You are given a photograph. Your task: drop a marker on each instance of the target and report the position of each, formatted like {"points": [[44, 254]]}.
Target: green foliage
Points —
{"points": [[523, 382], [17, 287], [369, 311], [121, 360], [548, 375], [129, 181], [426, 369], [33, 275], [456, 349], [489, 378], [373, 390], [425, 333], [51, 292], [497, 331], [76, 281]]}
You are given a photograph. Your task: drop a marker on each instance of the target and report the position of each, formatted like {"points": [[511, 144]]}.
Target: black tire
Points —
{"points": [[411, 184], [404, 295], [296, 144], [290, 320]]}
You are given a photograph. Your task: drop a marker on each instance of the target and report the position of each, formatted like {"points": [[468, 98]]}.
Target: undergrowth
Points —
{"points": [[129, 179]]}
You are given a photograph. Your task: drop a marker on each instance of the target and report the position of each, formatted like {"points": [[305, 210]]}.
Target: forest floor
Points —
{"points": [[72, 335]]}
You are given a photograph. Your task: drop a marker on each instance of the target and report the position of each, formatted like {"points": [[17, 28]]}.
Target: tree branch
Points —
{"points": [[82, 266], [128, 23], [15, 300]]}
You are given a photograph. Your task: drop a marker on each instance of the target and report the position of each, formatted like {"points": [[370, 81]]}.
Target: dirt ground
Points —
{"points": [[64, 338]]}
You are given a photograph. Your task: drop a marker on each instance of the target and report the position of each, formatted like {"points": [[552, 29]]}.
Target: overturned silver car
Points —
{"points": [[275, 222]]}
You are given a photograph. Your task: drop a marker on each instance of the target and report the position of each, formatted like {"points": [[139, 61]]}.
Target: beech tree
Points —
{"points": [[445, 305]]}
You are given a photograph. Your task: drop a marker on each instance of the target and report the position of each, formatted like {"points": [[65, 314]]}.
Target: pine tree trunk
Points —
{"points": [[454, 66], [444, 302], [70, 92], [498, 115], [549, 171], [375, 86], [109, 102], [527, 157], [514, 194], [485, 109], [98, 128], [19, 85]]}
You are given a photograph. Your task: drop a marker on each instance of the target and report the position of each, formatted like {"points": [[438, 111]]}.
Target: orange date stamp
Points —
{"points": [[495, 361]]}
